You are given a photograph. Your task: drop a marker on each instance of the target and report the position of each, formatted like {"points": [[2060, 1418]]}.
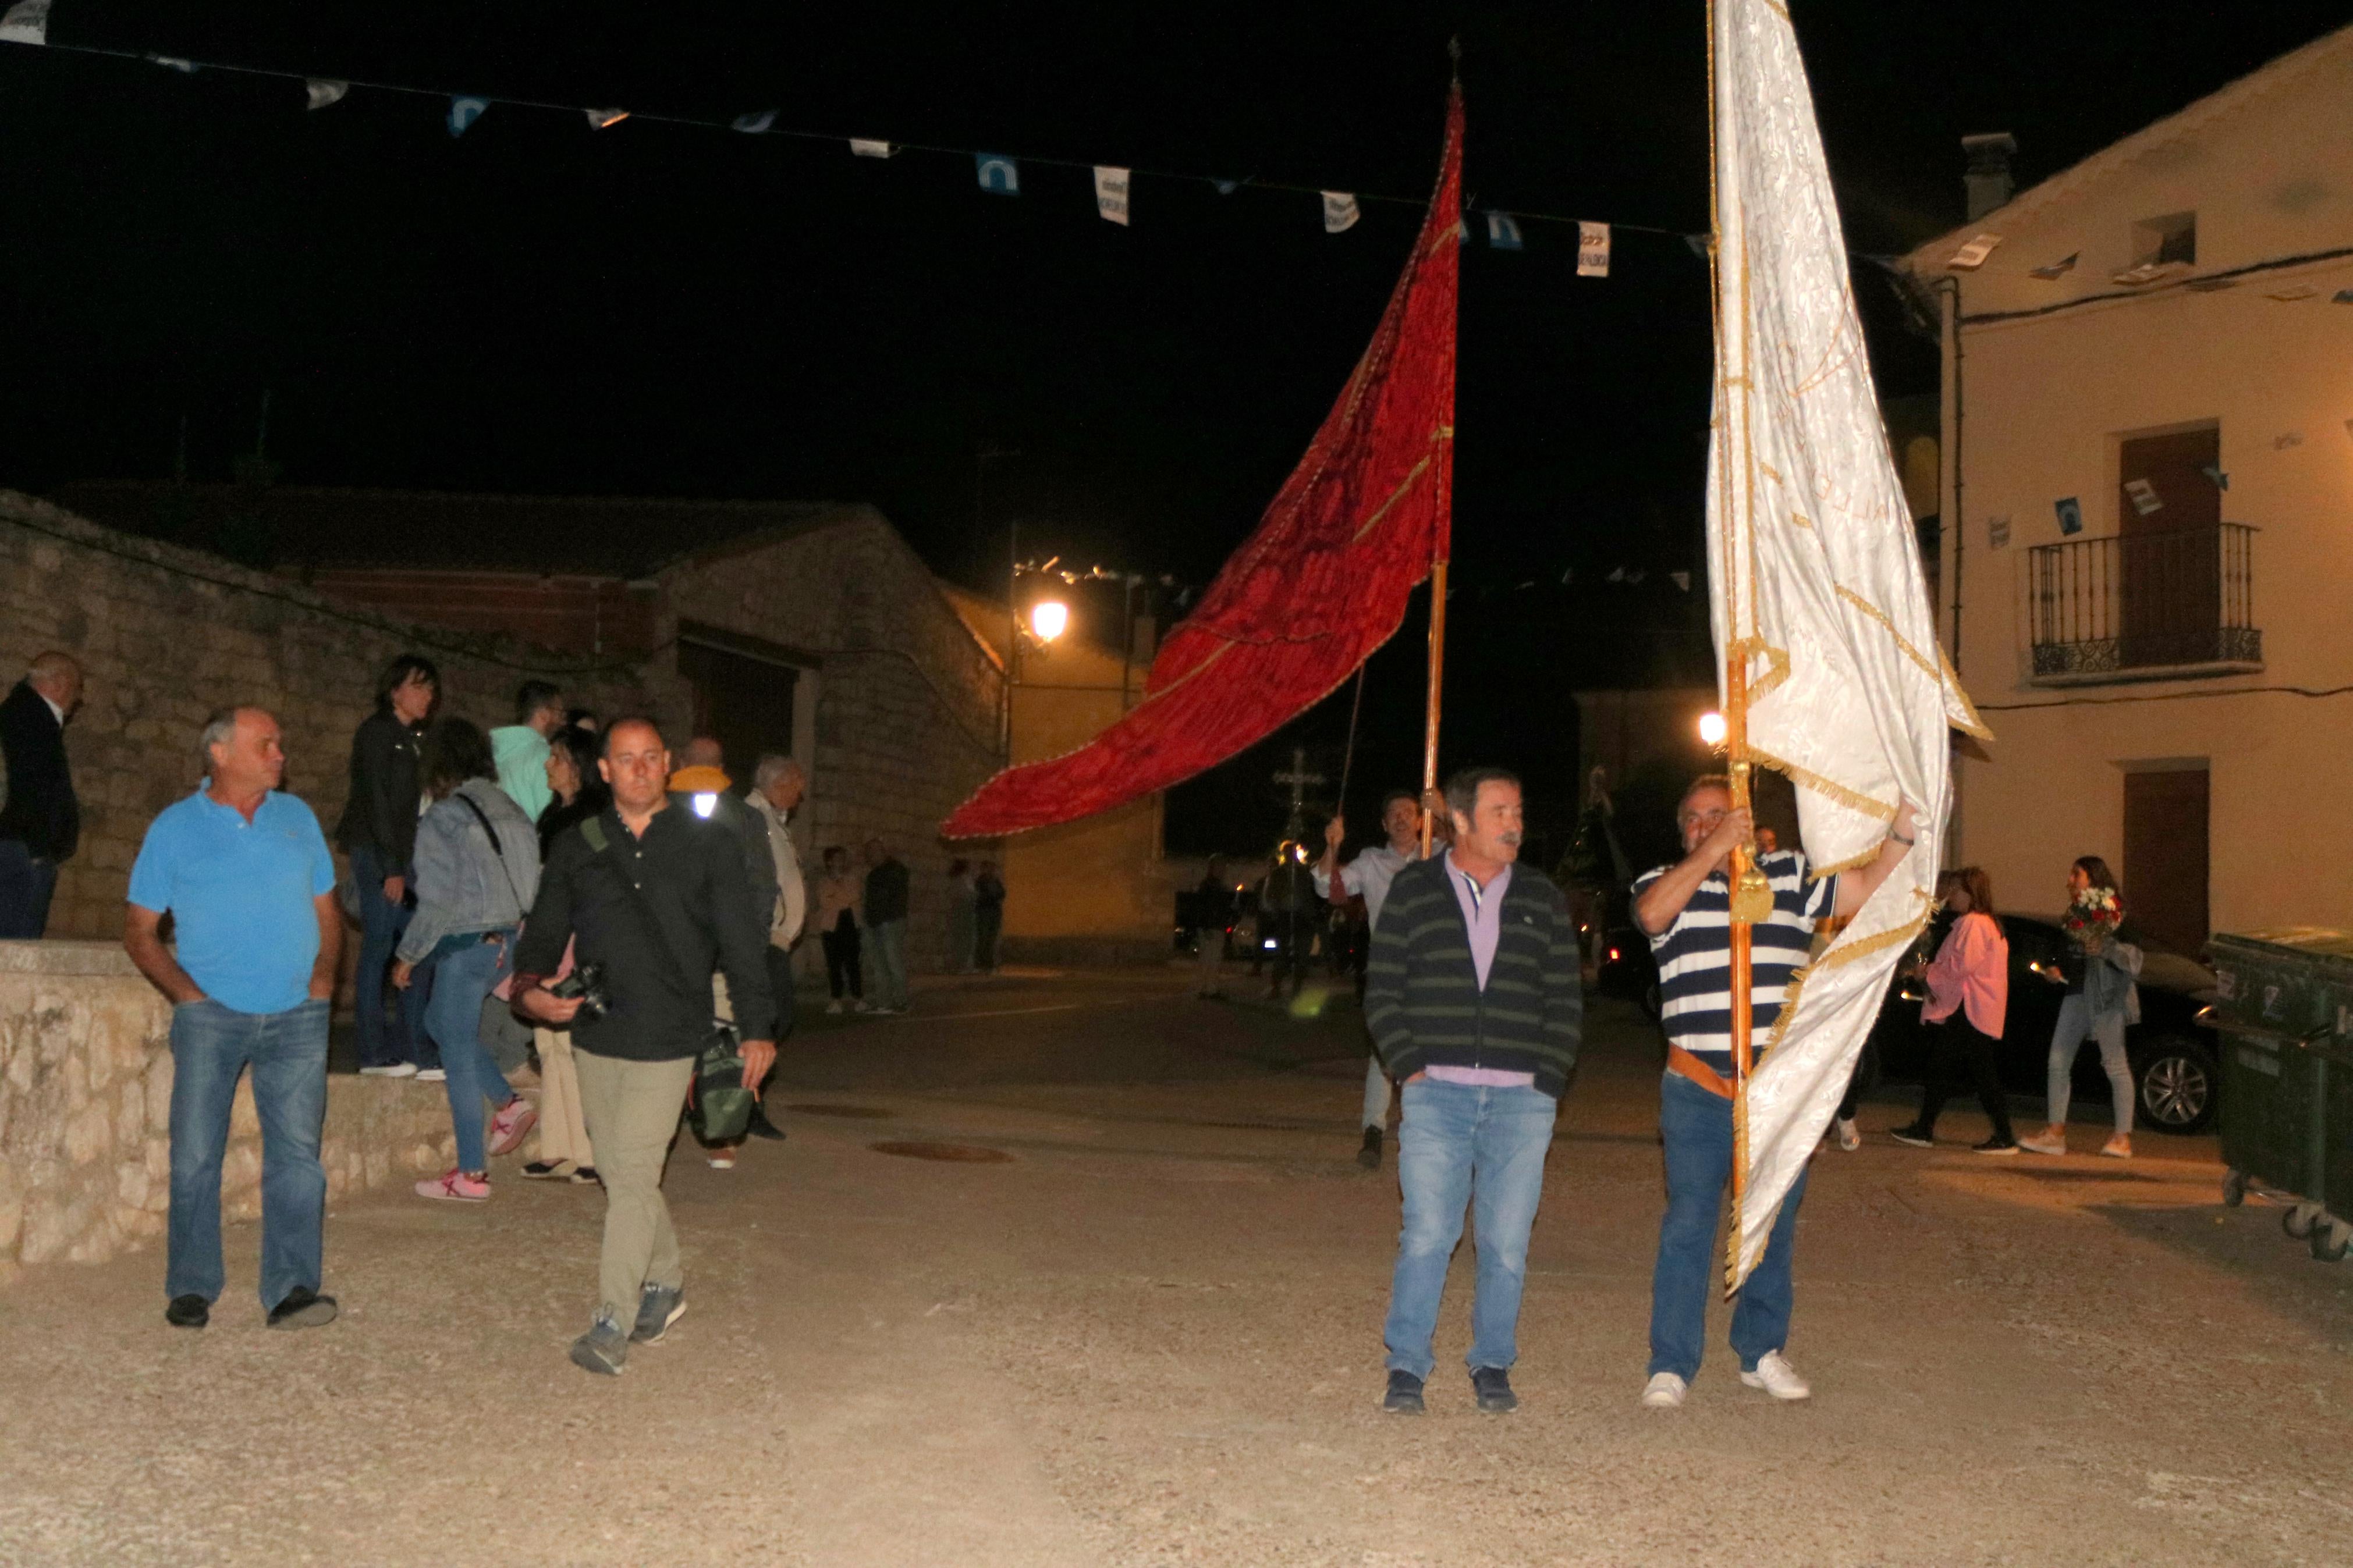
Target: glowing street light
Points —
{"points": [[1049, 618], [1712, 729]]}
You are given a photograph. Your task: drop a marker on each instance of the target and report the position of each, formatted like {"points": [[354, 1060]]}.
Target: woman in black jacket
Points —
{"points": [[378, 831], [579, 790]]}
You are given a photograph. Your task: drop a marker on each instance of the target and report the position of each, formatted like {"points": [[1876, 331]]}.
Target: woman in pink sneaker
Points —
{"points": [[477, 870]]}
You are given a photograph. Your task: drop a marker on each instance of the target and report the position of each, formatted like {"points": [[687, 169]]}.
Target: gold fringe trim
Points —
{"points": [[1397, 495], [1853, 800], [1973, 725], [1901, 641], [1801, 519]]}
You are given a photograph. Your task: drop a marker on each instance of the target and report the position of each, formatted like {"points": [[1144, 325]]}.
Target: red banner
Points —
{"points": [[1322, 582]]}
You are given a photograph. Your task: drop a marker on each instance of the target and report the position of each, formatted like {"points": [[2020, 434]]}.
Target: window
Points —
{"points": [[2160, 240]]}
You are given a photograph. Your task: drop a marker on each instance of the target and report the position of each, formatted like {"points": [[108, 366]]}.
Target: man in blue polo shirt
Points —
{"points": [[245, 874], [1686, 910]]}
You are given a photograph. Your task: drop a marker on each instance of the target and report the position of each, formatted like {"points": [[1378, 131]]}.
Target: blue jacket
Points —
{"points": [[462, 885]]}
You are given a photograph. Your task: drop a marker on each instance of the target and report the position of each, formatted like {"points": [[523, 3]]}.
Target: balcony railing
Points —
{"points": [[2144, 604]]}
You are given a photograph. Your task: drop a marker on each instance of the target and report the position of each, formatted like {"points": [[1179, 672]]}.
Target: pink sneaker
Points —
{"points": [[457, 1187], [512, 1125]]}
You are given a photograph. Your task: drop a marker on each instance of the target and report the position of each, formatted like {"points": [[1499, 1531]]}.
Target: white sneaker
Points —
{"points": [[1665, 1391], [393, 1070], [432, 1075], [1776, 1378], [1849, 1138]]}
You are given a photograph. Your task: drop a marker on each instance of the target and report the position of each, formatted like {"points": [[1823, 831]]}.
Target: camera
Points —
{"points": [[586, 983]]}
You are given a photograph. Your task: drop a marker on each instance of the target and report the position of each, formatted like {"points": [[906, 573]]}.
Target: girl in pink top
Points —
{"points": [[1969, 992]]}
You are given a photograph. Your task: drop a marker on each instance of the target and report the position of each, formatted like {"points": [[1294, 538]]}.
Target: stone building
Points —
{"points": [[813, 630]]}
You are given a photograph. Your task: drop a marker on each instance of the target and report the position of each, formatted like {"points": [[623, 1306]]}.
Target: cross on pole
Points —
{"points": [[1298, 778]]}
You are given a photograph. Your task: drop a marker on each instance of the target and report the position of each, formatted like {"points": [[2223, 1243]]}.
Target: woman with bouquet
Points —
{"points": [[2099, 973]]}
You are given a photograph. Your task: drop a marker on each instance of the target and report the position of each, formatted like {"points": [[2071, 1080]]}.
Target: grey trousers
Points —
{"points": [[631, 1110]]}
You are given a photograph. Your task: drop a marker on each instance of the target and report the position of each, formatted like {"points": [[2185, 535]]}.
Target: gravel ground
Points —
{"points": [[1152, 1334]]}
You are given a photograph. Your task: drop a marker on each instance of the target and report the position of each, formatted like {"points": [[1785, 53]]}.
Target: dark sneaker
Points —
{"points": [[659, 1306], [543, 1170], [303, 1309], [1404, 1397], [1493, 1386], [1370, 1156], [1919, 1137], [602, 1349], [188, 1312], [1997, 1145], [585, 1176]]}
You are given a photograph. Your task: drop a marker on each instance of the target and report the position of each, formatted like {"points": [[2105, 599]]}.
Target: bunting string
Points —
{"points": [[996, 173]]}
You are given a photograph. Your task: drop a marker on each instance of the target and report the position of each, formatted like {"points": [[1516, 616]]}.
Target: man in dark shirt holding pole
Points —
{"points": [[658, 901]]}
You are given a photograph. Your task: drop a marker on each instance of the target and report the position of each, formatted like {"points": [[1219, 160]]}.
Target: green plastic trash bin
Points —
{"points": [[2284, 1009]]}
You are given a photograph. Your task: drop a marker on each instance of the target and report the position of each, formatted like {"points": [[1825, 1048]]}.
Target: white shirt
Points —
{"points": [[792, 902], [1369, 876]]}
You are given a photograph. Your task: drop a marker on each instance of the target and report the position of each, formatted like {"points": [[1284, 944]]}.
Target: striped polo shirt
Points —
{"points": [[1695, 955]]}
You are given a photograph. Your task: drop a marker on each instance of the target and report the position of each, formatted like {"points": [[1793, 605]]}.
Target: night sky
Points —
{"points": [[662, 310]]}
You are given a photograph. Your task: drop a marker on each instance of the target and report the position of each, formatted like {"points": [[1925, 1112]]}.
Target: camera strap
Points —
{"points": [[592, 828]]}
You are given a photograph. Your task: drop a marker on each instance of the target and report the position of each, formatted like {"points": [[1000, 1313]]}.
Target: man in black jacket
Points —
{"points": [[1474, 1001], [41, 824], [658, 900]]}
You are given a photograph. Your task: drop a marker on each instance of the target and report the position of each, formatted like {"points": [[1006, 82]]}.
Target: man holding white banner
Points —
{"points": [[1685, 909]]}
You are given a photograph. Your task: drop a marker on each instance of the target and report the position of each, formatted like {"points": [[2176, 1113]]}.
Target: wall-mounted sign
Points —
{"points": [[2144, 497], [1998, 533], [2071, 515]]}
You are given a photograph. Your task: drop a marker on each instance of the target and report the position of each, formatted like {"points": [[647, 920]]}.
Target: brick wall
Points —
{"points": [[166, 635]]}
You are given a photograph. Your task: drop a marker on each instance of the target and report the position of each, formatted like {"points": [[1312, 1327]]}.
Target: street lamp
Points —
{"points": [[1049, 618], [1712, 729]]}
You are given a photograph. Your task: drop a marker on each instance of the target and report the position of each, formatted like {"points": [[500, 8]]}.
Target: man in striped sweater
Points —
{"points": [[1686, 910], [1473, 999]]}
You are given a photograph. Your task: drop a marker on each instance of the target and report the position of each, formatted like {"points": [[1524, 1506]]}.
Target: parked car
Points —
{"points": [[2174, 1056]]}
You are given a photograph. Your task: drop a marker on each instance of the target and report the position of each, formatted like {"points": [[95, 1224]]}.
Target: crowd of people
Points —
{"points": [[578, 877], [626, 916]]}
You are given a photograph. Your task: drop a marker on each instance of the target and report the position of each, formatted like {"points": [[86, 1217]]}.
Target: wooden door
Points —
{"points": [[744, 703], [2168, 572], [2165, 864]]}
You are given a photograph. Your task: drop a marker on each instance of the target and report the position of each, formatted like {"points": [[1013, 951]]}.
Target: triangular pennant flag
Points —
{"points": [[1227, 187], [28, 22], [1340, 213], [2214, 472], [1111, 193], [604, 119], [1593, 250], [866, 149], [999, 176], [1698, 243], [320, 91], [755, 123], [173, 63], [1503, 231], [464, 111], [2059, 269], [1681, 580]]}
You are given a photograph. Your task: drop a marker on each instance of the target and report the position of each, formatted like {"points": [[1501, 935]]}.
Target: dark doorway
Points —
{"points": [[741, 698], [2164, 855], [2170, 547]]}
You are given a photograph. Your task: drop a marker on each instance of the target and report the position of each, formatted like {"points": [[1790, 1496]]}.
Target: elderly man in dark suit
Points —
{"points": [[41, 822]]}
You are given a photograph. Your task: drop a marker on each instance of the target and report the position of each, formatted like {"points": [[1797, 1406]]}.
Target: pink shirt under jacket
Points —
{"points": [[1971, 970]]}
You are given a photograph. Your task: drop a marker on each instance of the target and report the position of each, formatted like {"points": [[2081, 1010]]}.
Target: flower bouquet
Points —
{"points": [[2093, 917]]}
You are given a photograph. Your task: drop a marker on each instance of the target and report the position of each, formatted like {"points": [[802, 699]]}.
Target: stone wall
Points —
{"points": [[166, 635], [907, 697], [85, 1112]]}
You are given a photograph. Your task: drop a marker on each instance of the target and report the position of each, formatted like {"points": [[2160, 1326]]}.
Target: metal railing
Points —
{"points": [[2144, 601]]}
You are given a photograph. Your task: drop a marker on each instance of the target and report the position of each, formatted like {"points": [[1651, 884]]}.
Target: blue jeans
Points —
{"points": [[887, 943], [2075, 1022], [25, 885], [381, 923], [463, 974], [211, 1046], [1461, 1145], [1696, 1127]]}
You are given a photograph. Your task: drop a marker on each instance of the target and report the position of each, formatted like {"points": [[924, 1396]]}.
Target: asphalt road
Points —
{"points": [[1142, 1326]]}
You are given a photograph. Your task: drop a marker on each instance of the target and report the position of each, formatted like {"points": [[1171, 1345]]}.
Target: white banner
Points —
{"points": [[1816, 584], [319, 93], [1340, 213], [464, 111], [28, 22], [1593, 250], [1111, 193], [999, 175]]}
